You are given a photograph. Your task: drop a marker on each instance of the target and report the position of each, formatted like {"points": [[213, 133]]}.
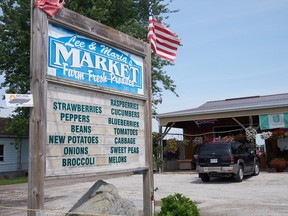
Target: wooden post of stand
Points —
{"points": [[160, 156], [148, 185], [37, 132]]}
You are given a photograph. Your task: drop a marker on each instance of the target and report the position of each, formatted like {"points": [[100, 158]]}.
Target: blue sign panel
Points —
{"points": [[75, 57]]}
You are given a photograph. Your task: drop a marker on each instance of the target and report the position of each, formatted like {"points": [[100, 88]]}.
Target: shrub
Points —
{"points": [[178, 205]]}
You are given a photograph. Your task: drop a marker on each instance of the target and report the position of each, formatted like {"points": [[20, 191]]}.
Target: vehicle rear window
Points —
{"points": [[238, 148], [215, 148]]}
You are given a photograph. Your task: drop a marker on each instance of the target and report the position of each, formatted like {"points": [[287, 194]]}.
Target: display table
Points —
{"points": [[185, 164]]}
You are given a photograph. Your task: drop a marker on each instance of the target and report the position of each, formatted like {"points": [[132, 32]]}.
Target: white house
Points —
{"points": [[13, 160]]}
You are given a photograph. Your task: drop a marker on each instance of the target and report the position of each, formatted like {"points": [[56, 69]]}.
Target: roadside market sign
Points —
{"points": [[97, 128], [271, 121], [91, 86], [90, 130], [75, 57]]}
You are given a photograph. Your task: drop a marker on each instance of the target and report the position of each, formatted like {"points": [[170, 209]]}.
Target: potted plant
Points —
{"points": [[280, 133], [276, 134], [279, 164], [172, 145]]}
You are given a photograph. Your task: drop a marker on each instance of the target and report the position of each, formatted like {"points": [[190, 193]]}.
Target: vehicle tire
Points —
{"points": [[256, 169], [240, 174], [205, 177]]}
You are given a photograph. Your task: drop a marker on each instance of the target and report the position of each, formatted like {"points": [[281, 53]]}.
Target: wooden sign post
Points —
{"points": [[37, 131], [91, 88]]}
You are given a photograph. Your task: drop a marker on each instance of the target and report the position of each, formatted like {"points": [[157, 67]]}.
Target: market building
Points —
{"points": [[232, 118]]}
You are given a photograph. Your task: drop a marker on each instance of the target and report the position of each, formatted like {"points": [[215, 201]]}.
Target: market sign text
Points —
{"points": [[74, 57]]}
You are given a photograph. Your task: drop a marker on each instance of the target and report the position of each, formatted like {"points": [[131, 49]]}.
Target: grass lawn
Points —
{"points": [[13, 180]]}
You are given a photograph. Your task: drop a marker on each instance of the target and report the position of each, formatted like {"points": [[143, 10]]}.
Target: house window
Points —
{"points": [[1, 152]]}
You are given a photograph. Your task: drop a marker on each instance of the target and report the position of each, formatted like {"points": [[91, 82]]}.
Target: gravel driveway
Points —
{"points": [[266, 194]]}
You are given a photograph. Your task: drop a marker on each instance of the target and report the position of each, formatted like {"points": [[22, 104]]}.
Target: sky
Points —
{"points": [[230, 49]]}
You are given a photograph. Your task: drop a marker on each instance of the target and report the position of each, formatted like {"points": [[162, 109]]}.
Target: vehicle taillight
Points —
{"points": [[232, 159]]}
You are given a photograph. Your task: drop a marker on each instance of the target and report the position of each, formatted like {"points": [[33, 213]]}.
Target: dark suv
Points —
{"points": [[226, 159]]}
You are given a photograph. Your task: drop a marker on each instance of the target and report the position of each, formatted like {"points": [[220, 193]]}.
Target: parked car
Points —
{"points": [[226, 159]]}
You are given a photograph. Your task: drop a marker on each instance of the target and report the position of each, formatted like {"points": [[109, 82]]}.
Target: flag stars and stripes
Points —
{"points": [[163, 42]]}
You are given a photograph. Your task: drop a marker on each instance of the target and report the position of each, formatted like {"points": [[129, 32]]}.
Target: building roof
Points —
{"points": [[235, 106]]}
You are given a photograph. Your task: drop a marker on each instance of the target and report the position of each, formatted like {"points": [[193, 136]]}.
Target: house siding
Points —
{"points": [[10, 156]]}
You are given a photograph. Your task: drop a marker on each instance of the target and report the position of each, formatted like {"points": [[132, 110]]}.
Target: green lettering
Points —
{"points": [[75, 150], [56, 139], [119, 159], [118, 150], [80, 129], [133, 150], [78, 161]]}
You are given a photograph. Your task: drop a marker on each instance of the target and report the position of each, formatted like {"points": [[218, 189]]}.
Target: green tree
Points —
{"points": [[18, 125], [128, 16], [14, 61], [15, 45]]}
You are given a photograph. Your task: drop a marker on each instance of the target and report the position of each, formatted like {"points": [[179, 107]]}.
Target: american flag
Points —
{"points": [[163, 42]]}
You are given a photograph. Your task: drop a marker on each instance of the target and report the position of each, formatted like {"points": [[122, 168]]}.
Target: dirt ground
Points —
{"points": [[263, 195]]}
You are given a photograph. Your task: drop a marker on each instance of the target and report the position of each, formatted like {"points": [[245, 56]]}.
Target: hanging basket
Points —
{"points": [[172, 145]]}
